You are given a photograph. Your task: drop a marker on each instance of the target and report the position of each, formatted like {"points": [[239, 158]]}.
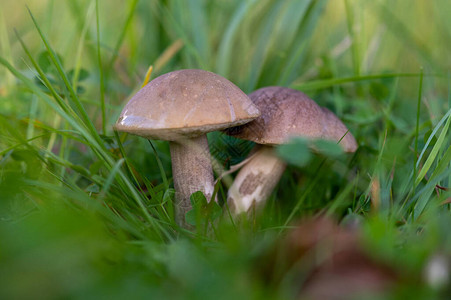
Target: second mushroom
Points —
{"points": [[284, 113]]}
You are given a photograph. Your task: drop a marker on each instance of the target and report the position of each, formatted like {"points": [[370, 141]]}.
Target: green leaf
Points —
{"points": [[95, 167], [328, 148], [31, 162], [93, 188], [379, 90], [202, 211], [82, 75], [44, 61], [295, 152], [198, 201], [80, 90]]}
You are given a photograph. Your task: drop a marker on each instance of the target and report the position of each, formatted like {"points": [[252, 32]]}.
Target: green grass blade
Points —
{"points": [[199, 28], [42, 77], [224, 58], [120, 40], [425, 195], [404, 33], [160, 165], [5, 51], [193, 55], [102, 80], [63, 75], [58, 109], [442, 165], [417, 126], [264, 42], [129, 166], [22, 143], [109, 180], [291, 65], [32, 116], [80, 46], [432, 135], [289, 39], [304, 195], [343, 199], [435, 150], [326, 83], [18, 136], [97, 149], [350, 21]]}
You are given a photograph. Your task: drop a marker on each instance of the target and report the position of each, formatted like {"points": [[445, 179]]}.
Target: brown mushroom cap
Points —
{"points": [[336, 130], [284, 113], [185, 104]]}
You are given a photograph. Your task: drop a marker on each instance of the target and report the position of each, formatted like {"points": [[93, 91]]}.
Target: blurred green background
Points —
{"points": [[86, 213]]}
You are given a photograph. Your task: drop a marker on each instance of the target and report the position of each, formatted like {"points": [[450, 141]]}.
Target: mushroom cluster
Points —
{"points": [[182, 106]]}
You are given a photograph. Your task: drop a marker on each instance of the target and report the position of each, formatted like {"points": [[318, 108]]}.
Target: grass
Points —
{"points": [[87, 212]]}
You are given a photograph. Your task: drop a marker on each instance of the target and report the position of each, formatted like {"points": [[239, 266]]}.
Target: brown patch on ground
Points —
{"points": [[327, 261]]}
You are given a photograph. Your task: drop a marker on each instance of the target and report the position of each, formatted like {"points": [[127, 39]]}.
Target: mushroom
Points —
{"points": [[335, 130], [284, 113], [181, 107]]}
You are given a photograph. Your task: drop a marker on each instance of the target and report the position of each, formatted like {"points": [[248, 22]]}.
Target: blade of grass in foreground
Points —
{"points": [[74, 195]]}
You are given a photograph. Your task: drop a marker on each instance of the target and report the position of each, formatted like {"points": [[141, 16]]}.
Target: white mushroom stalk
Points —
{"points": [[255, 181], [191, 166]]}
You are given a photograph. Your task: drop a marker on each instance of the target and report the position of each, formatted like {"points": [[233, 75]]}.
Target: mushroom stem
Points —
{"points": [[256, 180], [192, 172]]}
